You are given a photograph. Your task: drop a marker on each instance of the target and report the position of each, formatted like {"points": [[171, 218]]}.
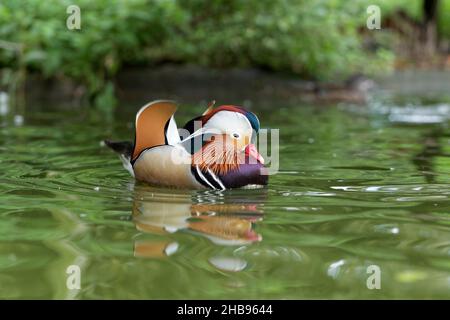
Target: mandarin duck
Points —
{"points": [[216, 151]]}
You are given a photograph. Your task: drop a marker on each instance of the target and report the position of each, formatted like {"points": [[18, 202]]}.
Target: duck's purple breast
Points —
{"points": [[246, 174]]}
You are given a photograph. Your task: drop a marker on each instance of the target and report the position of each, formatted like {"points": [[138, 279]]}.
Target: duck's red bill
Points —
{"points": [[251, 150]]}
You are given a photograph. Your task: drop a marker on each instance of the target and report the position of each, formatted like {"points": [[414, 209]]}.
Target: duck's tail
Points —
{"points": [[123, 147], [125, 150]]}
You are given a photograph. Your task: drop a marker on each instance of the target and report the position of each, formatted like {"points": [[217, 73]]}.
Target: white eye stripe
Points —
{"points": [[229, 122]]}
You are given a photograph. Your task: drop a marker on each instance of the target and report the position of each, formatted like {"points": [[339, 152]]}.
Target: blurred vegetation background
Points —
{"points": [[321, 40]]}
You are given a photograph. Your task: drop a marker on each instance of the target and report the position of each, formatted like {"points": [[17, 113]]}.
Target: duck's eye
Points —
{"points": [[236, 135]]}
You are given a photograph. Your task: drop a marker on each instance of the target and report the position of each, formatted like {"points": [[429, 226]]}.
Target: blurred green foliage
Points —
{"points": [[313, 39], [112, 32], [444, 19]]}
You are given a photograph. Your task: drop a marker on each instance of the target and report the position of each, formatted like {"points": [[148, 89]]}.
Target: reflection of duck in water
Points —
{"points": [[222, 223]]}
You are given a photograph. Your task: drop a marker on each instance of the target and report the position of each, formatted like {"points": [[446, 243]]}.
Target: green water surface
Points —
{"points": [[357, 186]]}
